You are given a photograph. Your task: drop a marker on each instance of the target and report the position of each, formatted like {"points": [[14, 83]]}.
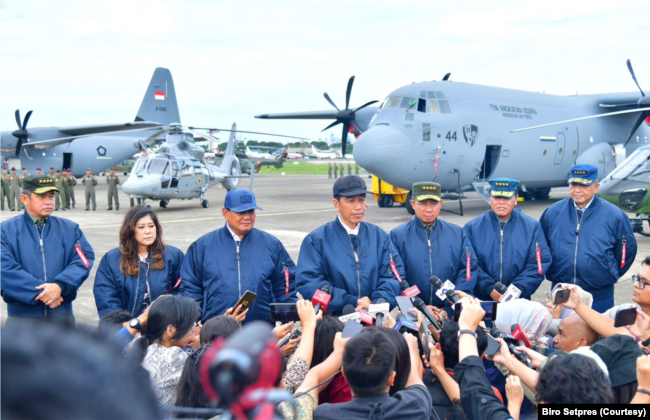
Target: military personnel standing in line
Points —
{"points": [[38, 171], [16, 183], [72, 181], [21, 183], [336, 171], [89, 182], [356, 169], [6, 190], [113, 180], [60, 197], [66, 186], [329, 170], [342, 171], [349, 169], [52, 172]]}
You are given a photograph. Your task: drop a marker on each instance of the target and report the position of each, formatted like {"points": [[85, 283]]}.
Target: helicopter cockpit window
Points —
{"points": [[158, 166], [197, 168], [393, 101], [186, 169], [408, 102], [637, 167], [175, 169], [139, 167]]}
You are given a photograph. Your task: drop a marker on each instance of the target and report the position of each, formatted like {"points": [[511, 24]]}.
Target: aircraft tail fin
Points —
{"points": [[159, 103]]}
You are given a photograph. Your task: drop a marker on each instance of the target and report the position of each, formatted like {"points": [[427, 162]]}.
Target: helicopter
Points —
{"points": [[178, 170]]}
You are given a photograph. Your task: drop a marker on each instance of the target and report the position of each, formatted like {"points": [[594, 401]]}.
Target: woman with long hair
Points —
{"points": [[142, 268]]}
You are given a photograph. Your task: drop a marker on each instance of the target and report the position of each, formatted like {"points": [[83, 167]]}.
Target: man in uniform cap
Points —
{"points": [[16, 183], [352, 257], [430, 246], [89, 182], [6, 189], [42, 272], [329, 170], [510, 246], [112, 181], [336, 171], [60, 198], [66, 187], [591, 240], [248, 259], [38, 171], [52, 175], [72, 182]]}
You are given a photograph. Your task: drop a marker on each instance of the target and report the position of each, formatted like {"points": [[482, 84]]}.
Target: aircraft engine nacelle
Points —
{"points": [[197, 153], [601, 155], [231, 166]]}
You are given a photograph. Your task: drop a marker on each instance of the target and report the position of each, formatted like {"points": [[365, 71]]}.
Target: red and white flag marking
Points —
{"points": [[160, 96]]}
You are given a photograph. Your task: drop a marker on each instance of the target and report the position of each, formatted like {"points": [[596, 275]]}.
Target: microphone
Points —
{"points": [[348, 309], [322, 298], [366, 318], [406, 325], [436, 282], [499, 287], [407, 290], [419, 303], [521, 356], [518, 334], [452, 297], [379, 316], [443, 289], [507, 293], [349, 312]]}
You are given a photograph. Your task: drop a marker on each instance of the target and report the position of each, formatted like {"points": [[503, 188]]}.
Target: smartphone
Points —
{"points": [[245, 301], [561, 296], [284, 312], [424, 341], [490, 309], [405, 306], [625, 317], [351, 329], [493, 346], [294, 334]]}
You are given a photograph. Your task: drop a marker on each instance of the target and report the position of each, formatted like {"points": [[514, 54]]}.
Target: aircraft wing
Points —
{"points": [[81, 130], [310, 115], [44, 144]]}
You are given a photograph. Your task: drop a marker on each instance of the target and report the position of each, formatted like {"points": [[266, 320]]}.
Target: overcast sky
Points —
{"points": [[89, 62]]}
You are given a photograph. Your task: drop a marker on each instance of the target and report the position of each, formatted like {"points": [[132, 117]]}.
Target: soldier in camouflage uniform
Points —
{"points": [[89, 182], [60, 197], [113, 180], [72, 182], [6, 190], [16, 183]]}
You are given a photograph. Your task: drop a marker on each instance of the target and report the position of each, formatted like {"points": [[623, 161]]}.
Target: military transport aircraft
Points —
{"points": [[97, 147], [461, 134]]}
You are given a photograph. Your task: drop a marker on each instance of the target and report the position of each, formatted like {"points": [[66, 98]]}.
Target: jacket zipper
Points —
{"points": [[430, 263], [502, 227], [137, 289], [356, 259], [40, 238], [575, 256], [238, 267]]}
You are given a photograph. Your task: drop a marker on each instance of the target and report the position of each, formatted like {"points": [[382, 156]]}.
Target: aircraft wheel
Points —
{"points": [[528, 195], [164, 203], [542, 194], [389, 201], [205, 204], [409, 207]]}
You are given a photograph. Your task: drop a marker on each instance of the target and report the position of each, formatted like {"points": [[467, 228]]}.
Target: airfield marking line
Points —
{"points": [[216, 218]]}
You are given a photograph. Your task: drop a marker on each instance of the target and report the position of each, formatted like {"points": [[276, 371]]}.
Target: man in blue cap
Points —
{"points": [[590, 239], [510, 246], [354, 258], [222, 265]]}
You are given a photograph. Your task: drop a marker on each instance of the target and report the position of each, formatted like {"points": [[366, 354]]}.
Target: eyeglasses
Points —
{"points": [[548, 299], [642, 282]]}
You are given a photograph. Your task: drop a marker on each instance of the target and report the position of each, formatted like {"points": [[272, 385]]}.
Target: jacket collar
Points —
{"points": [[372, 399], [513, 217]]}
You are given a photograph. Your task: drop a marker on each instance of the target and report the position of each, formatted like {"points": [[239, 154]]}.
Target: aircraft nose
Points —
{"points": [[382, 149], [140, 186]]}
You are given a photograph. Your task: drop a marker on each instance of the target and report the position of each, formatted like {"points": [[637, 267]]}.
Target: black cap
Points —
{"points": [[349, 186], [619, 353], [39, 184]]}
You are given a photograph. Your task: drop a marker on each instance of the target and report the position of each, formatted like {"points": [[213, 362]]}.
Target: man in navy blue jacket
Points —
{"points": [[510, 246], [222, 265], [591, 240], [45, 259], [430, 246], [352, 256]]}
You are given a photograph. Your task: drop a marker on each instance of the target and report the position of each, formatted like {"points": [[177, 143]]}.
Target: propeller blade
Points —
{"points": [[444, 79], [29, 114], [19, 144], [155, 136], [609, 114], [330, 101], [17, 114], [248, 132], [331, 125], [364, 105], [629, 67], [616, 105], [348, 92], [638, 122], [344, 138]]}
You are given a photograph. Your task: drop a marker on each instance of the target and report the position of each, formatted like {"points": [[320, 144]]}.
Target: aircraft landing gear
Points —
{"points": [[409, 207], [205, 204], [526, 195], [542, 194], [164, 203]]}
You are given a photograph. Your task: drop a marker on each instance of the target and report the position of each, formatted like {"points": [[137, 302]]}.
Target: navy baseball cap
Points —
{"points": [[349, 186], [583, 174], [503, 187], [240, 201]]}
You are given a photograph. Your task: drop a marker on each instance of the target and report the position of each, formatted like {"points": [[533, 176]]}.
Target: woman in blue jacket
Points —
{"points": [[142, 268]]}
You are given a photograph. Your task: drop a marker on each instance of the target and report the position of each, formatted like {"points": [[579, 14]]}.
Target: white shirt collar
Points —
{"points": [[585, 207], [354, 231], [234, 235]]}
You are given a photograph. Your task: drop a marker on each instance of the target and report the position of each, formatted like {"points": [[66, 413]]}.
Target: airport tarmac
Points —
{"points": [[294, 205]]}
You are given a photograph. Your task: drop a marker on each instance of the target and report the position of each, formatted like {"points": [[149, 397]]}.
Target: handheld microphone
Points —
{"points": [[436, 282], [378, 308], [452, 296], [521, 356], [322, 298], [419, 303], [407, 290], [366, 318], [507, 293], [349, 312], [518, 334], [406, 325], [501, 288], [442, 288]]}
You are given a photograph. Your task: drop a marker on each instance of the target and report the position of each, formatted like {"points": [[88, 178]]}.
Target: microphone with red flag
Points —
{"points": [[321, 298], [518, 334], [408, 290], [366, 318]]}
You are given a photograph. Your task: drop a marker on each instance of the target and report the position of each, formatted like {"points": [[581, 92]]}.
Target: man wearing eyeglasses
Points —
{"points": [[430, 246], [222, 265], [591, 240]]}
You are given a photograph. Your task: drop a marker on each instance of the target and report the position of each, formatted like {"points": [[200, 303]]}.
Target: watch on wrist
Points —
{"points": [[470, 332], [646, 343], [135, 324]]}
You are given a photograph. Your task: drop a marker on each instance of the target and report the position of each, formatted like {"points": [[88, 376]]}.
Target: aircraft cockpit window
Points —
{"points": [[197, 168], [636, 169], [444, 107], [175, 169], [139, 167], [422, 105], [408, 102], [423, 94], [393, 101], [440, 95], [158, 166], [433, 107], [187, 169], [431, 95]]}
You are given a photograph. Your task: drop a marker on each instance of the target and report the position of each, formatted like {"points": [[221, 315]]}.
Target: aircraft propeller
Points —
{"points": [[345, 117], [21, 134]]}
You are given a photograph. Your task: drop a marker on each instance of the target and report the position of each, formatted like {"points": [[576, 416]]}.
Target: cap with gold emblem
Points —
{"points": [[423, 191], [39, 184], [583, 174], [503, 187]]}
